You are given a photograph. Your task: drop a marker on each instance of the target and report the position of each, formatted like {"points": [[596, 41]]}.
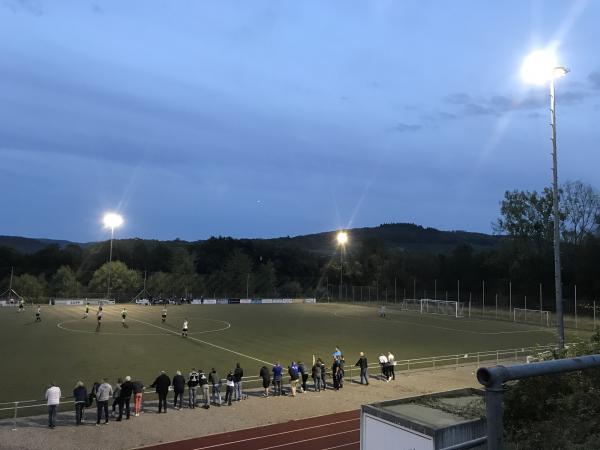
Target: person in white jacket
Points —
{"points": [[53, 397]]}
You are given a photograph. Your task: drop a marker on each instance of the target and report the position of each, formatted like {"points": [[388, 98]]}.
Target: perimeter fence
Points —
{"points": [[252, 385]]}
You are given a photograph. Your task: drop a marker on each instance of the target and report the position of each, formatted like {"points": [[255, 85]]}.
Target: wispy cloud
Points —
{"points": [[405, 127], [594, 79], [28, 6]]}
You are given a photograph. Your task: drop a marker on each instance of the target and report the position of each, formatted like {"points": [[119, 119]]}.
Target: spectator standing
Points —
{"points": [[215, 381], [303, 375], [204, 386], [178, 388], [316, 376], [363, 364], [337, 354], [138, 391], [277, 374], [80, 396], [103, 394], [229, 390], [116, 394], [162, 383], [125, 398], [383, 362], [335, 373], [391, 364], [323, 373], [266, 380], [294, 376], [53, 397], [238, 374], [193, 379]]}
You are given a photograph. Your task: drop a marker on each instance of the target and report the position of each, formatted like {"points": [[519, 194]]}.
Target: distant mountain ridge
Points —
{"points": [[399, 236]]}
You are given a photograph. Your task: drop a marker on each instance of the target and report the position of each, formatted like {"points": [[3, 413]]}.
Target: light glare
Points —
{"points": [[342, 237], [112, 220], [539, 67]]}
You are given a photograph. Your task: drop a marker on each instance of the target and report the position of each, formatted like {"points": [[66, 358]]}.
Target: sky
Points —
{"points": [[273, 118]]}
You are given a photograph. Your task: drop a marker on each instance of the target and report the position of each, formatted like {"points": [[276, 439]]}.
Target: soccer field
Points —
{"points": [[65, 348]]}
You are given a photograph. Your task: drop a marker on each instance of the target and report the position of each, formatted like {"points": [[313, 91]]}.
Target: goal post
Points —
{"points": [[429, 306], [531, 316]]}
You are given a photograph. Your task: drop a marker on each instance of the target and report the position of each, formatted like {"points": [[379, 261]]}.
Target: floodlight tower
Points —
{"points": [[342, 239], [112, 221], [541, 67]]}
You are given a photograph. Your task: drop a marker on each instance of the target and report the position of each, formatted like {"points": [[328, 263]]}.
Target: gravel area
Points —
{"points": [[152, 428]]}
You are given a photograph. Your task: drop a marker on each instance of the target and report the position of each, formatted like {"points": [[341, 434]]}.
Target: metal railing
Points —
{"points": [[15, 409]]}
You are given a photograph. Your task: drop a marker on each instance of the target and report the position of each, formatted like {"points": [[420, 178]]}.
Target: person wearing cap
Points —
{"points": [[178, 388], [162, 383], [80, 396], [53, 397], [125, 397]]}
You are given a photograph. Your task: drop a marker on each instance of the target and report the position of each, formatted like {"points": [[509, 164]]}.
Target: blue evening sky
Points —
{"points": [[269, 118]]}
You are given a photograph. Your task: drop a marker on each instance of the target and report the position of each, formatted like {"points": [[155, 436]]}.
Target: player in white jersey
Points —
{"points": [[184, 329]]}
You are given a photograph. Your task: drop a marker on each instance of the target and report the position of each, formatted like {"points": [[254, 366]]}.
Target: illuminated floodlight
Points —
{"points": [[112, 220], [541, 66], [342, 237]]}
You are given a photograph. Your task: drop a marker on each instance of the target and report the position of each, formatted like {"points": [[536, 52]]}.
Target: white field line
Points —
{"points": [[62, 327], [281, 434], [204, 342]]}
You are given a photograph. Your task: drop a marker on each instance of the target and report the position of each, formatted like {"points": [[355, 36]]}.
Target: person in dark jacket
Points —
{"points": [[323, 373], [335, 373], [125, 398], [178, 388], [229, 390], [192, 387], [363, 364], [277, 373], [316, 376], [80, 396], [162, 384], [138, 391], [238, 374], [204, 386], [266, 380], [303, 375]]}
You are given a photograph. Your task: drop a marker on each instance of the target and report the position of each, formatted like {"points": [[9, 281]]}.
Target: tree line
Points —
{"points": [[227, 267]]}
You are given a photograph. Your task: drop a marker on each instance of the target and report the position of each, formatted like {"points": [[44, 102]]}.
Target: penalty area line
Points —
{"points": [[204, 342]]}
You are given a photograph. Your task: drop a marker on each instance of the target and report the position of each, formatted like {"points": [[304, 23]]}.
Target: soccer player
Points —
{"points": [[21, 305], [38, 314], [164, 314], [382, 311], [87, 310], [123, 315], [184, 329], [99, 315]]}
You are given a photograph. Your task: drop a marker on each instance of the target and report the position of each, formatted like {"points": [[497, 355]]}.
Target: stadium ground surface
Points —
{"points": [[65, 348]]}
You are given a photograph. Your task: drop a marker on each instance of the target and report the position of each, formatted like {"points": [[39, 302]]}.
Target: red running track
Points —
{"points": [[339, 431]]}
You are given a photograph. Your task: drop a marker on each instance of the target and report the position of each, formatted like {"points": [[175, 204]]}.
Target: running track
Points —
{"points": [[334, 431]]}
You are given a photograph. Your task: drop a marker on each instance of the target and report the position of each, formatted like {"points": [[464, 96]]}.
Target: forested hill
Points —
{"points": [[398, 236]]}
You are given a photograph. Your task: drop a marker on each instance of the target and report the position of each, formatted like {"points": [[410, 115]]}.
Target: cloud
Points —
{"points": [[406, 128], [594, 79], [33, 7]]}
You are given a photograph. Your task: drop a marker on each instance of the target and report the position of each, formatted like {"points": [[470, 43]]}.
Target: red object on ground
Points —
{"points": [[339, 431]]}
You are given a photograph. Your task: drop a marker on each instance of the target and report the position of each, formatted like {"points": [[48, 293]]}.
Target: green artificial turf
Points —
{"points": [[65, 348]]}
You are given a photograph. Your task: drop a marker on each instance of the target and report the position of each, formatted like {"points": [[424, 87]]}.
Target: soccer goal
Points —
{"points": [[531, 316], [429, 306]]}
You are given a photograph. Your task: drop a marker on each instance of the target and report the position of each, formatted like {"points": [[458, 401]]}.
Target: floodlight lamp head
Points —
{"points": [[112, 220], [541, 66], [342, 238]]}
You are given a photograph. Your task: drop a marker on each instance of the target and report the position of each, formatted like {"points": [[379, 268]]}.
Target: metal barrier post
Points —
{"points": [[497, 358], [15, 417]]}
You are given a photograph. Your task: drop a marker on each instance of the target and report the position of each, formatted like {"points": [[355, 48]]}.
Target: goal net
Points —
{"points": [[531, 316], [429, 306]]}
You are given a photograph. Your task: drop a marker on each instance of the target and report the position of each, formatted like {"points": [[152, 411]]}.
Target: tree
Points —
{"points": [[122, 279], [236, 271], [29, 286], [527, 216], [64, 283], [581, 205]]}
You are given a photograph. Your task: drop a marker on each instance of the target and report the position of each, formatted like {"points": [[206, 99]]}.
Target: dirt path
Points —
{"points": [[151, 428]]}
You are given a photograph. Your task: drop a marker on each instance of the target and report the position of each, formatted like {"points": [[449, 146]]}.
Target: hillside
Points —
{"points": [[400, 236]]}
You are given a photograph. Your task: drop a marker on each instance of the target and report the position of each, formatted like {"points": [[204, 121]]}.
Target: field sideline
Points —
{"points": [[65, 348]]}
